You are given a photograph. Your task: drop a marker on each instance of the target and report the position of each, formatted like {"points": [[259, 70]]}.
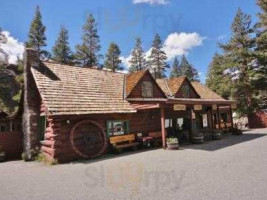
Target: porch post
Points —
{"points": [[231, 117], [219, 116], [163, 131], [211, 119]]}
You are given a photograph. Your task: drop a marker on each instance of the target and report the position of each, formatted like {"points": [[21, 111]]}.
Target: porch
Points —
{"points": [[184, 119]]}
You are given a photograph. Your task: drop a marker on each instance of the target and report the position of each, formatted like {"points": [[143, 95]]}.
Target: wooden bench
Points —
{"points": [[157, 138], [123, 141]]}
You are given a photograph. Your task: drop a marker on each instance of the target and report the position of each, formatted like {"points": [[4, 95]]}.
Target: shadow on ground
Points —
{"points": [[226, 141], [212, 145]]}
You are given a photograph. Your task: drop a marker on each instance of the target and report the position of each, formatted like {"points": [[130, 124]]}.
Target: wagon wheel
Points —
{"points": [[88, 139]]}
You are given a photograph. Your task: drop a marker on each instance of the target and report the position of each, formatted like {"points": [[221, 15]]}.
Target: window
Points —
{"points": [[117, 128], [224, 117], [205, 120], [185, 91], [2, 128], [41, 127], [147, 89], [168, 123], [180, 123]]}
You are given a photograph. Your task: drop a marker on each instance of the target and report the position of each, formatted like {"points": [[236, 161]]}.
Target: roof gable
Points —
{"points": [[186, 90], [134, 85]]}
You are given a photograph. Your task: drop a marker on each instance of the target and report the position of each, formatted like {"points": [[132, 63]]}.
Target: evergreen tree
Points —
{"points": [[138, 61], [176, 70], [261, 53], [239, 50], [36, 36], [3, 55], [61, 50], [113, 57], [261, 41], [216, 79], [188, 70], [157, 58], [87, 53]]}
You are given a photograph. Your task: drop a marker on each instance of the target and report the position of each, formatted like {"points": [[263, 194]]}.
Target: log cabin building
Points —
{"points": [[78, 112]]}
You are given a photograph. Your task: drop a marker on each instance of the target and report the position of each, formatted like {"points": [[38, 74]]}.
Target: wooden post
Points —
{"points": [[211, 119], [219, 116], [163, 131], [231, 117]]}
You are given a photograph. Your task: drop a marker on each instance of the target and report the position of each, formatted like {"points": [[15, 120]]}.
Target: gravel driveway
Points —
{"points": [[232, 168]]}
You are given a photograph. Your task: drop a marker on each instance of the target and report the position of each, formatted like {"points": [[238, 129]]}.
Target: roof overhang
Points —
{"points": [[200, 101], [146, 99]]}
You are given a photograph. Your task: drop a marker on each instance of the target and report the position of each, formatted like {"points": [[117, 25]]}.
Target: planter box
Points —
{"points": [[172, 146], [198, 139]]}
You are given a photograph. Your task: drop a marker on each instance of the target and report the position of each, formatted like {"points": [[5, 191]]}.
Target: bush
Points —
{"points": [[42, 158], [172, 140]]}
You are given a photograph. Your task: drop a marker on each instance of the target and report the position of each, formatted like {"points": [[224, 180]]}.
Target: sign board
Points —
{"points": [[205, 120], [179, 107], [197, 107], [214, 107], [233, 106]]}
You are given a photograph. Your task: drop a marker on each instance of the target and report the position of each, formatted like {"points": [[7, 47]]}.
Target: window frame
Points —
{"points": [[112, 121]]}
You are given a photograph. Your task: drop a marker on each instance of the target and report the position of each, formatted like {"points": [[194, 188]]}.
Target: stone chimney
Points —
{"points": [[31, 104]]}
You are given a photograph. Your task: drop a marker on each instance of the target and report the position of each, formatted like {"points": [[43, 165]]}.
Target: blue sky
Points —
{"points": [[203, 23]]}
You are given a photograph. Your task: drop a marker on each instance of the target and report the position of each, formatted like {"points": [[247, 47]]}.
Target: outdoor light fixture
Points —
{"points": [[68, 121]]}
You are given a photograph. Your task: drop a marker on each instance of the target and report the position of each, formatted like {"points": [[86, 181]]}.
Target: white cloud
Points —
{"points": [[13, 48], [151, 2], [221, 37], [125, 62], [178, 44]]}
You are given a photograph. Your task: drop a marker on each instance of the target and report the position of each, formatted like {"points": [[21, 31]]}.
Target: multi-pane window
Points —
{"points": [[117, 128], [147, 89]]}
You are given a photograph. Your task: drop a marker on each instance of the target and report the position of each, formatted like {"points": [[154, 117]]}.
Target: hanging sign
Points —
{"points": [[197, 107], [233, 106], [214, 107], [179, 107]]}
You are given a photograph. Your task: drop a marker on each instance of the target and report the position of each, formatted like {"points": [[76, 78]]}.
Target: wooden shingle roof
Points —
{"points": [[163, 84], [174, 84], [69, 90], [204, 92], [132, 80]]}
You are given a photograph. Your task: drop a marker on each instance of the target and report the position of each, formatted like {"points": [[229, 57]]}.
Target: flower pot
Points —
{"points": [[217, 136], [198, 139], [172, 146]]}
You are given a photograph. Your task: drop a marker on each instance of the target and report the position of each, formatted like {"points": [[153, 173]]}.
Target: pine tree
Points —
{"points": [[138, 61], [61, 50], [176, 70], [3, 55], [216, 79], [157, 59], [36, 36], [239, 50], [87, 53], [188, 70], [261, 41], [261, 53], [113, 57]]}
